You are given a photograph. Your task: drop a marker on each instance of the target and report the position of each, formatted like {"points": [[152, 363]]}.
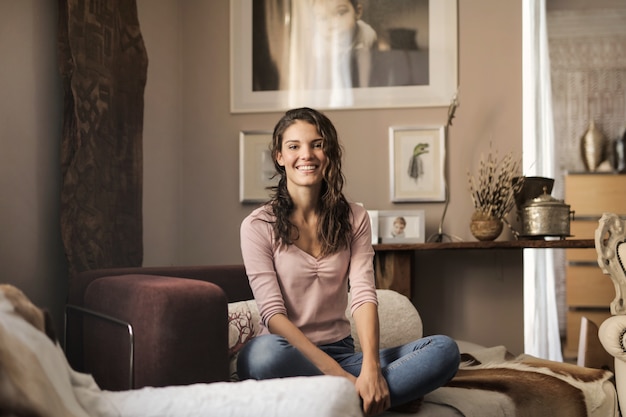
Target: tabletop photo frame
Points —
{"points": [[417, 156], [410, 59], [373, 215], [401, 226], [256, 166]]}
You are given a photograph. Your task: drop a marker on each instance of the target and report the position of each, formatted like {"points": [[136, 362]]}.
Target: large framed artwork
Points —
{"points": [[417, 156], [334, 55]]}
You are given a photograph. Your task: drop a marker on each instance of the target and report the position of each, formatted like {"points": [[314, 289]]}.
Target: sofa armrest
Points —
{"points": [[71, 310], [180, 331], [612, 334], [231, 279]]}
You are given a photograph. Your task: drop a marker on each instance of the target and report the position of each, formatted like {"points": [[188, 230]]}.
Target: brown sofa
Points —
{"points": [[174, 319], [179, 318]]}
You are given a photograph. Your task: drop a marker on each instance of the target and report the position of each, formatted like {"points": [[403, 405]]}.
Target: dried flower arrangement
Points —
{"points": [[493, 190]]}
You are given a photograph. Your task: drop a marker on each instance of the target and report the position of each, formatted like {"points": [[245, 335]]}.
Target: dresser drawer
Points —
{"points": [[594, 194], [588, 286], [582, 229]]}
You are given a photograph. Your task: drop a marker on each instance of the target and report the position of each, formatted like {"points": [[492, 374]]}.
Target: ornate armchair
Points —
{"points": [[610, 242]]}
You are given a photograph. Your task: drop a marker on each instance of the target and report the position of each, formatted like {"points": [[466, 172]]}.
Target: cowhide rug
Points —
{"points": [[525, 386]]}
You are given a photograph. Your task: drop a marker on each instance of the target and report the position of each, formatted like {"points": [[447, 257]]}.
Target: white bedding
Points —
{"points": [[307, 397], [36, 379]]}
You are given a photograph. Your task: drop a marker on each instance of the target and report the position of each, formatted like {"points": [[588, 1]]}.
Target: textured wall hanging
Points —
{"points": [[103, 63]]}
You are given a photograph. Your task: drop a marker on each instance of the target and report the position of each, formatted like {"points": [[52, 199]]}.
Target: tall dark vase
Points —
{"points": [[619, 154]]}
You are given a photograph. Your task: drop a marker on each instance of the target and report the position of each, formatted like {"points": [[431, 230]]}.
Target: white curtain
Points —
{"points": [[541, 327]]}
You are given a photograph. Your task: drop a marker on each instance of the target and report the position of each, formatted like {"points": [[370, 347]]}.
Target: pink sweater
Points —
{"points": [[312, 293]]}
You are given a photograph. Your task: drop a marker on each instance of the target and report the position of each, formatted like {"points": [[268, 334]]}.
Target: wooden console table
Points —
{"points": [[393, 262]]}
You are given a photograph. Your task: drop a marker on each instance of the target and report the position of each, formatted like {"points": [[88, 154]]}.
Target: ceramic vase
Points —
{"points": [[485, 227], [593, 147]]}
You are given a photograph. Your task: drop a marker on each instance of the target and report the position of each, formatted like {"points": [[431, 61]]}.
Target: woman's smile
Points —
{"points": [[306, 168]]}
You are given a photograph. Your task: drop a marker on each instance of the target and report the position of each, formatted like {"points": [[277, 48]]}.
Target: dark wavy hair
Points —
{"points": [[333, 229]]}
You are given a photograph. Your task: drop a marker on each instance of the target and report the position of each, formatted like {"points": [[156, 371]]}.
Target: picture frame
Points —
{"points": [[417, 174], [256, 167], [405, 71], [373, 215], [412, 230]]}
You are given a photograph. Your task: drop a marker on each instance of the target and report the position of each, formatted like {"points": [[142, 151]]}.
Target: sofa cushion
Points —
{"points": [[400, 322], [243, 325]]}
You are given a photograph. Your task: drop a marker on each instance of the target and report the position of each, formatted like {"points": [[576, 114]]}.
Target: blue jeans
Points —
{"points": [[411, 370]]}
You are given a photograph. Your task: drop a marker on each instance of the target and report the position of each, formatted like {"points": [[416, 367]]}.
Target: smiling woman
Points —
{"points": [[307, 156], [303, 251]]}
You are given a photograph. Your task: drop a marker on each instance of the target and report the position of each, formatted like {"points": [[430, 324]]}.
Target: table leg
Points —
{"points": [[394, 270]]}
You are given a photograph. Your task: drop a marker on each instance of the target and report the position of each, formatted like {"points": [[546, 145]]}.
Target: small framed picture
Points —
{"points": [[417, 156], [401, 226], [374, 225], [256, 167]]}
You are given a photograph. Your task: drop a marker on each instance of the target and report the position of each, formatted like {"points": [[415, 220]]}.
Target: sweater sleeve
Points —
{"points": [[257, 249], [361, 273]]}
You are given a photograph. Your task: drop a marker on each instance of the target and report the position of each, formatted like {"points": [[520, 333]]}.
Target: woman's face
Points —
{"points": [[335, 20], [302, 155]]}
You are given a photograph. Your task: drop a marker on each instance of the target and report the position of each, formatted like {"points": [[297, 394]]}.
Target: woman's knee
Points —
{"points": [[258, 356], [266, 345], [448, 344], [272, 356], [450, 355]]}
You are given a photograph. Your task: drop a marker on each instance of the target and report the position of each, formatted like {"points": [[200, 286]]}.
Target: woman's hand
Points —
{"points": [[373, 390]]}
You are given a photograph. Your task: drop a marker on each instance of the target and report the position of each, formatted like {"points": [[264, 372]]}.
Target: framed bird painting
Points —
{"points": [[417, 162]]}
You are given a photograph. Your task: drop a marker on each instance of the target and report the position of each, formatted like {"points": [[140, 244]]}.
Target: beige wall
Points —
{"points": [[31, 108], [191, 208]]}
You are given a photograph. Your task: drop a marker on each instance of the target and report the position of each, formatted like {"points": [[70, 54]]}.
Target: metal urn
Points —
{"points": [[545, 216]]}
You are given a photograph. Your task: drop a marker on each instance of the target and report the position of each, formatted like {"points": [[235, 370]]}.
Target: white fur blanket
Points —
{"points": [[491, 382]]}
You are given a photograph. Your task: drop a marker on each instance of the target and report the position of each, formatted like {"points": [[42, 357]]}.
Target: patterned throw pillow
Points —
{"points": [[243, 325]]}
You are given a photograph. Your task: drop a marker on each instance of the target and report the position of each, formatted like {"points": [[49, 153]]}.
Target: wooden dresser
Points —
{"points": [[588, 291]]}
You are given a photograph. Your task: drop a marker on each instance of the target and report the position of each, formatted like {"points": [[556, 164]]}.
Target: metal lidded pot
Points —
{"points": [[545, 216]]}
